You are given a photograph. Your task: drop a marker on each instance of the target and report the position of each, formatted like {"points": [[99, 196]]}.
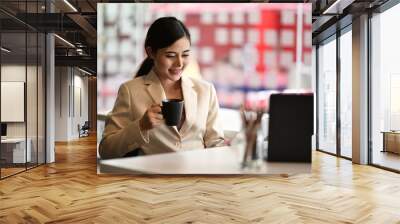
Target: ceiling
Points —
{"points": [[330, 15], [78, 27], [77, 23]]}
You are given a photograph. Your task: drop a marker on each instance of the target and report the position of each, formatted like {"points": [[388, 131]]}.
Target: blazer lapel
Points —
{"points": [[154, 87], [190, 103]]}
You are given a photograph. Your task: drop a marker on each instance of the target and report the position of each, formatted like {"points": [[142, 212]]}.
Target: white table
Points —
{"points": [[18, 149], [221, 160]]}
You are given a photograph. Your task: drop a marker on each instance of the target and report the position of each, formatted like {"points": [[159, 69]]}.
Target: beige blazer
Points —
{"points": [[201, 128]]}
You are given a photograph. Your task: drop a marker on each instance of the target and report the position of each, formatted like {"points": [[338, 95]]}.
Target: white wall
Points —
{"points": [[61, 103], [33, 126], [14, 73], [81, 82], [17, 73], [71, 94]]}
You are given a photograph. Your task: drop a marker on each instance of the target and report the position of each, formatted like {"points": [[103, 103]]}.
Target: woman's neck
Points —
{"points": [[169, 85]]}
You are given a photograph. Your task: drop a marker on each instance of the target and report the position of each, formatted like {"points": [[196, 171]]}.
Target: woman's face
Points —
{"points": [[170, 62]]}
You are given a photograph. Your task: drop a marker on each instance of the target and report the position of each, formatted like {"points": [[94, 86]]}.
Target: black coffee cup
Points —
{"points": [[172, 111]]}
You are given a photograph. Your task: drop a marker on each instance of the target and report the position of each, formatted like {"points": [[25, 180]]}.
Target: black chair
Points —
{"points": [[84, 130], [291, 124]]}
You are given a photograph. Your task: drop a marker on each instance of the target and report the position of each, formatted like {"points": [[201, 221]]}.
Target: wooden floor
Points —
{"points": [[10, 171], [387, 159], [70, 191]]}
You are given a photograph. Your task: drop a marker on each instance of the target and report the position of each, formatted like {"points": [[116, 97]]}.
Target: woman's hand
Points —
{"points": [[152, 118]]}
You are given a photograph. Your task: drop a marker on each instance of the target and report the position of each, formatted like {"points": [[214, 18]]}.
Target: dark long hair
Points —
{"points": [[162, 33]]}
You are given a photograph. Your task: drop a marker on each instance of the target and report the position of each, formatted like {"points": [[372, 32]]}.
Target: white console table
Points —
{"points": [[16, 148]]}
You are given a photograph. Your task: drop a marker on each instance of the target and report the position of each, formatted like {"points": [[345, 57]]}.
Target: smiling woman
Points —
{"points": [[136, 124]]}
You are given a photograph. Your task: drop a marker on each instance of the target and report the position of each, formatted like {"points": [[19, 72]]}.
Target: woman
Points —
{"points": [[136, 125]]}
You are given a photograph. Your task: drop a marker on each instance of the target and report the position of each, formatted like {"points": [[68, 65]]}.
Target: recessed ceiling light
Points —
{"points": [[64, 40], [337, 7], [5, 49], [84, 71], [70, 5]]}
